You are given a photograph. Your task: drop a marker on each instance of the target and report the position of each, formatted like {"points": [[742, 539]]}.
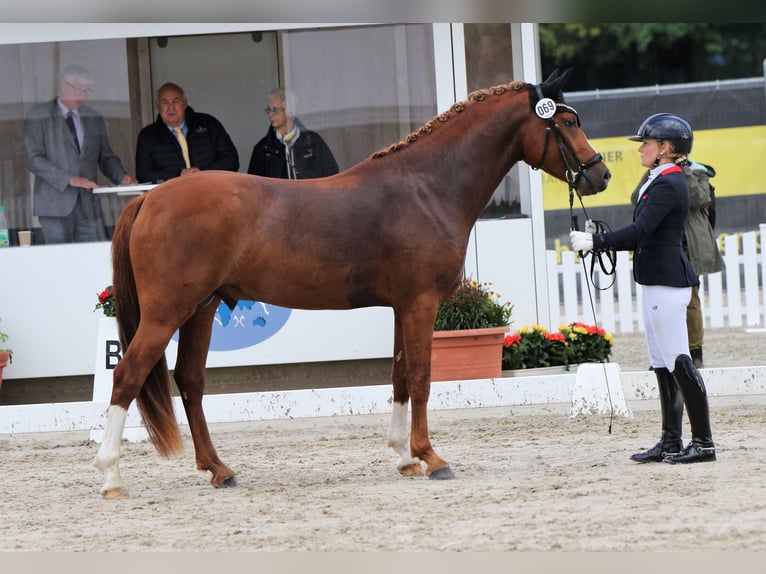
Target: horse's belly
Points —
{"points": [[313, 290]]}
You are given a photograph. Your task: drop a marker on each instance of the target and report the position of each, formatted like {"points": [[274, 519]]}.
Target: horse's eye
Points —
{"points": [[570, 123]]}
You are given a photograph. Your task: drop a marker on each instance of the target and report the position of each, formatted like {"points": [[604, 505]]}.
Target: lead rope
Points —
{"points": [[599, 225], [572, 178]]}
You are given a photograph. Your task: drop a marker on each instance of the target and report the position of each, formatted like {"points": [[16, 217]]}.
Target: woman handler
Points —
{"points": [[666, 277]]}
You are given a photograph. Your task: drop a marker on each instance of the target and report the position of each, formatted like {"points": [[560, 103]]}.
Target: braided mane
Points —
{"points": [[456, 108]]}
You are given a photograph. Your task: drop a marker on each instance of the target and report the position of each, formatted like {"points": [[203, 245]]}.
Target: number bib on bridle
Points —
{"points": [[545, 108]]}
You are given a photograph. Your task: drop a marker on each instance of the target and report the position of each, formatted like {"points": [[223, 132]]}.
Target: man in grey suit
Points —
{"points": [[66, 143]]}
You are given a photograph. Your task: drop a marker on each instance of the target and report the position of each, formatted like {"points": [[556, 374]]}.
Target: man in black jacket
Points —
{"points": [[181, 141]]}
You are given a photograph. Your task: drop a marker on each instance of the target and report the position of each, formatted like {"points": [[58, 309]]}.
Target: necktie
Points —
{"points": [[70, 123], [183, 144]]}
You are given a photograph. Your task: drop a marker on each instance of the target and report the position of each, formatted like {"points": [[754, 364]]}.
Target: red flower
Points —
{"points": [[511, 340], [106, 302]]}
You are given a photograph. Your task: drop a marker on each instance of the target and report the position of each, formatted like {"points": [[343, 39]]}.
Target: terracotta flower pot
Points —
{"points": [[4, 359], [467, 354]]}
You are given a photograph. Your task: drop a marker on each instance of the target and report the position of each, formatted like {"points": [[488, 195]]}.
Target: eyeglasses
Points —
{"points": [[79, 91], [268, 111]]}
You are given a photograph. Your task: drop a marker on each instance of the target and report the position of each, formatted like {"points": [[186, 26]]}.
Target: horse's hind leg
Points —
{"points": [[398, 435], [108, 457], [189, 373], [130, 374]]}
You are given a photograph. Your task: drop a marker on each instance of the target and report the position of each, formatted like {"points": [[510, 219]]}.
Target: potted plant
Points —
{"points": [[468, 333], [6, 356], [587, 343], [533, 347]]}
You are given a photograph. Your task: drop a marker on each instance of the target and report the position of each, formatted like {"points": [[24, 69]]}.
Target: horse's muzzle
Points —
{"points": [[592, 180]]}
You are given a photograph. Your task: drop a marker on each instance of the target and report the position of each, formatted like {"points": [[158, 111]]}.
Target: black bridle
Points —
{"points": [[552, 127], [573, 177]]}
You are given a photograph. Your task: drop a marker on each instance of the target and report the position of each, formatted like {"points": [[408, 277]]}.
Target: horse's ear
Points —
{"points": [[552, 77], [555, 82]]}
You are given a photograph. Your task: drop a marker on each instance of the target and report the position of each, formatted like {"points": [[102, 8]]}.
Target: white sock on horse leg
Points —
{"points": [[108, 457], [398, 436]]}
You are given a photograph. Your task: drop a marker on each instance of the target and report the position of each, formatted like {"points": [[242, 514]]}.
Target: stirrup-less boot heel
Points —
{"points": [[672, 408], [701, 448]]}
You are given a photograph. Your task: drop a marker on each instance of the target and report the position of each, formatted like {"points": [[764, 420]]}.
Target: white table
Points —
{"points": [[136, 189]]}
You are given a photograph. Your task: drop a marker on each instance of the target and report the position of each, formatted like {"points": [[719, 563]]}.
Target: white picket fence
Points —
{"points": [[733, 297]]}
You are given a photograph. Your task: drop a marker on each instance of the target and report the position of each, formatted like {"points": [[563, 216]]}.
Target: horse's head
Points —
{"points": [[567, 155]]}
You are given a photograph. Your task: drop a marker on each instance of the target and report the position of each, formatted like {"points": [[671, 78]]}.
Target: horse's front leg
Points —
{"points": [[420, 445], [417, 334], [189, 373]]}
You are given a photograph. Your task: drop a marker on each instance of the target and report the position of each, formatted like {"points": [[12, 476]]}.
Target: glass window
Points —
{"points": [[361, 88], [224, 75], [32, 75], [489, 62]]}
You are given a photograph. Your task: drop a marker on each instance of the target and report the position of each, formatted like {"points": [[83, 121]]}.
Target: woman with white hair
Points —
{"points": [[289, 150]]}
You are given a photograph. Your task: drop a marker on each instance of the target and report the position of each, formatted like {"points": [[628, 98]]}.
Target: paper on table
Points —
{"points": [[136, 189]]}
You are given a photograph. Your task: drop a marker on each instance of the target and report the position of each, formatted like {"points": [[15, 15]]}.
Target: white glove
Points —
{"points": [[581, 241], [590, 227]]}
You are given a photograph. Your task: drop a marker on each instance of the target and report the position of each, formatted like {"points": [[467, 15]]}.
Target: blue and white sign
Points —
{"points": [[249, 323]]}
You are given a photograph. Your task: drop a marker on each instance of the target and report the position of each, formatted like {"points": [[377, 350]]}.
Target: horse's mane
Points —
{"points": [[456, 108]]}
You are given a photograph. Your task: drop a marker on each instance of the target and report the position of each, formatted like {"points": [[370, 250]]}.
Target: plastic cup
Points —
{"points": [[25, 238]]}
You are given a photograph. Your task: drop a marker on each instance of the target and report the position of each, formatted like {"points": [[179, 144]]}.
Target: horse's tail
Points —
{"points": [[154, 400]]}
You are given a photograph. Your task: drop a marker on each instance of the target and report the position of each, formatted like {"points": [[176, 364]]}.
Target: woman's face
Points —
{"points": [[278, 118], [650, 150]]}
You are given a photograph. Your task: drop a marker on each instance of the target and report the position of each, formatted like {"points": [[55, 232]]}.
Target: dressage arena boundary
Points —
{"points": [[593, 388]]}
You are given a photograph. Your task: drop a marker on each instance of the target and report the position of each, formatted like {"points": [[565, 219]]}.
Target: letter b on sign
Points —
{"points": [[112, 353]]}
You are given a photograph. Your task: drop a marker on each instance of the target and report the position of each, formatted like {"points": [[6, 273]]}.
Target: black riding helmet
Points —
{"points": [[667, 127]]}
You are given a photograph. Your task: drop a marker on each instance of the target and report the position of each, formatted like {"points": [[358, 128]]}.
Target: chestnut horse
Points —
{"points": [[390, 231]]}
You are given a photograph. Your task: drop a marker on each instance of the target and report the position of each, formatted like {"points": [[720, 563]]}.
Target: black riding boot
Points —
{"points": [[701, 448], [672, 408]]}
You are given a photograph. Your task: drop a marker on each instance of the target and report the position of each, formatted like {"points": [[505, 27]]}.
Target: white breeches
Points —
{"points": [[664, 313]]}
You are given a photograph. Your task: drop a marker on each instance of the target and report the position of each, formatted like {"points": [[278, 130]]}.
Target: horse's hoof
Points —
{"points": [[115, 494], [226, 483], [443, 473]]}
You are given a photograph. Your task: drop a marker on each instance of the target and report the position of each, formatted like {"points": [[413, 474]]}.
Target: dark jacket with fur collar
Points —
{"points": [[311, 156]]}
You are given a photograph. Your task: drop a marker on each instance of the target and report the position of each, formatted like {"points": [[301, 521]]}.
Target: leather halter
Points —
{"points": [[572, 176]]}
